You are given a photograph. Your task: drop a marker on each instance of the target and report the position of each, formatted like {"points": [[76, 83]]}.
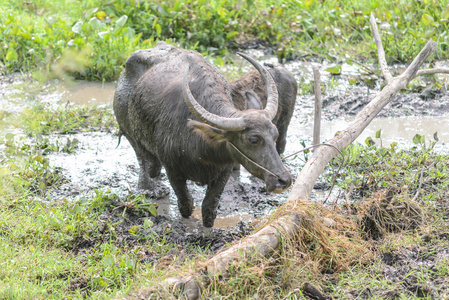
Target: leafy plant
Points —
{"points": [[93, 40], [44, 120], [370, 168]]}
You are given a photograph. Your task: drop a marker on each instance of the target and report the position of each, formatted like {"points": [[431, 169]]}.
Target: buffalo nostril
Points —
{"points": [[278, 185], [282, 183]]}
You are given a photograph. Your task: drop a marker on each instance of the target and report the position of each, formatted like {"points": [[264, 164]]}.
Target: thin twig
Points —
{"points": [[396, 207], [317, 118], [432, 71], [349, 193], [421, 181], [419, 186], [380, 50]]}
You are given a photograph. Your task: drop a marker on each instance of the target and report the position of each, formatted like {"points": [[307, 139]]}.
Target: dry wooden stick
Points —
{"points": [[432, 71], [317, 118], [380, 50]]}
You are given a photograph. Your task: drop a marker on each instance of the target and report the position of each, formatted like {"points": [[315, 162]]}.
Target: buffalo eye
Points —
{"points": [[254, 140]]}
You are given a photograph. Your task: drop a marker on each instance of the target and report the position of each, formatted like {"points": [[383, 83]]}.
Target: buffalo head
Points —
{"points": [[249, 135]]}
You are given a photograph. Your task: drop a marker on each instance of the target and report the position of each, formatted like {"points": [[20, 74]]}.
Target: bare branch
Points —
{"points": [[317, 120], [411, 71], [432, 71], [380, 50]]}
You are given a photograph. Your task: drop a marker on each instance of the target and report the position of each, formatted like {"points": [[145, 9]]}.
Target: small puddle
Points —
{"points": [[167, 207], [87, 92]]}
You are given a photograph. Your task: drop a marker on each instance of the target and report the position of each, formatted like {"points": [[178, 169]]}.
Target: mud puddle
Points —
{"points": [[393, 129], [87, 92]]}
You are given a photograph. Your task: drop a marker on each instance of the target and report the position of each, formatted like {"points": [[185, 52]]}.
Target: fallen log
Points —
{"points": [[267, 239]]}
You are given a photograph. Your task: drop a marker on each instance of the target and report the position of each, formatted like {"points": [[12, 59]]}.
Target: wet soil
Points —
{"points": [[98, 163], [414, 272], [434, 102]]}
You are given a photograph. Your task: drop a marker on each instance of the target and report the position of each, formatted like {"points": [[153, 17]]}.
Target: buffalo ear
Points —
{"points": [[209, 133], [252, 100]]}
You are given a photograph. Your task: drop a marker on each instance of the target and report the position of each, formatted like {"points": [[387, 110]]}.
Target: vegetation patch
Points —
{"points": [[44, 120], [93, 39]]}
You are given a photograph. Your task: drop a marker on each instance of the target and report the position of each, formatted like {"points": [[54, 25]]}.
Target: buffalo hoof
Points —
{"points": [[208, 221], [186, 208]]}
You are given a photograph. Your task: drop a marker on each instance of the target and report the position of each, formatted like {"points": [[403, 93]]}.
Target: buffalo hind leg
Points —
{"points": [[185, 200], [211, 200], [280, 143], [150, 166], [149, 177]]}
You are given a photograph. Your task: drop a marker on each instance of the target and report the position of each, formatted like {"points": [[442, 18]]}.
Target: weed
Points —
{"points": [[370, 168], [44, 120]]}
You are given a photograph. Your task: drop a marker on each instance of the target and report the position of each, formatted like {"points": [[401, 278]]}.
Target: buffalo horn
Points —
{"points": [[229, 124], [272, 91]]}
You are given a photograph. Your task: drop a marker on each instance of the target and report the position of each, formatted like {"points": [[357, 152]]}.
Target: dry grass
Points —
{"points": [[390, 211], [331, 241]]}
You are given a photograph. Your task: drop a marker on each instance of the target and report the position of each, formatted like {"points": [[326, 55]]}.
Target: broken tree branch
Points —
{"points": [[320, 158], [432, 71], [317, 118], [260, 244], [380, 49]]}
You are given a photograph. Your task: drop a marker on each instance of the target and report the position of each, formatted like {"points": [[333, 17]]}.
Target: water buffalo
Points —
{"points": [[176, 111], [249, 92]]}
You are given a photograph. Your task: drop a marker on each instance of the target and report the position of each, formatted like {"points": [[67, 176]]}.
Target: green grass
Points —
{"points": [[370, 168], [42, 254], [42, 242], [93, 39]]}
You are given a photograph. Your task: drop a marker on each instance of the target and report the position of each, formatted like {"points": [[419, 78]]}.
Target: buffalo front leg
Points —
{"points": [[211, 200], [185, 200]]}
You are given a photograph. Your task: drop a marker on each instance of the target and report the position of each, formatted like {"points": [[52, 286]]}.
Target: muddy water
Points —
{"points": [[87, 92], [399, 130]]}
